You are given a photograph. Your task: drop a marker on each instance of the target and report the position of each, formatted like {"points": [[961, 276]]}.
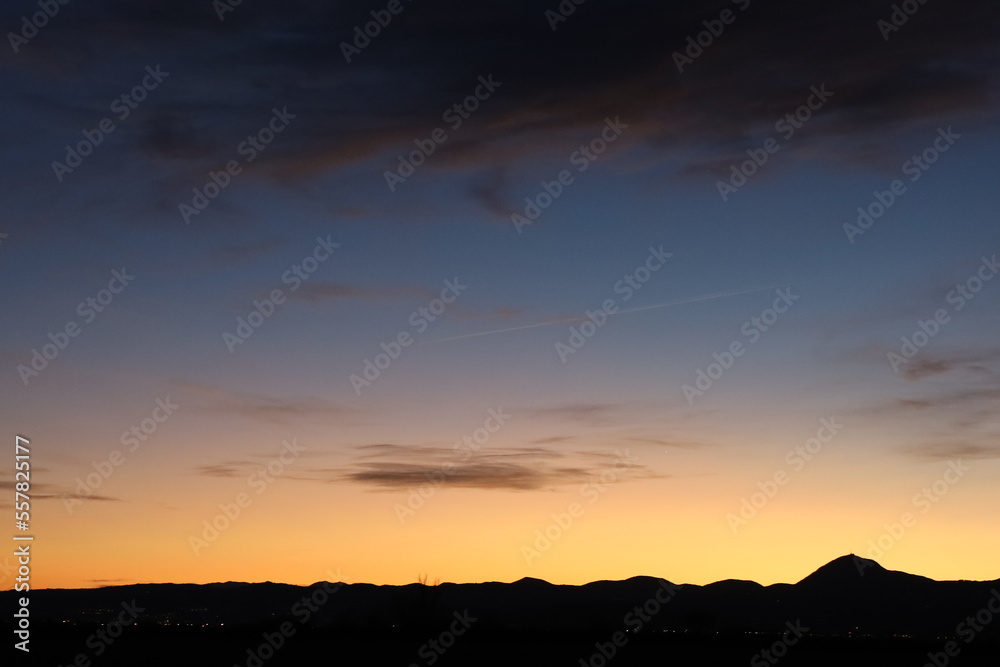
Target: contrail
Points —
{"points": [[565, 320]]}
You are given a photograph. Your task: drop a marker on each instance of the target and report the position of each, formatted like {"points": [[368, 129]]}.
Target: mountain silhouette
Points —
{"points": [[847, 594], [849, 597]]}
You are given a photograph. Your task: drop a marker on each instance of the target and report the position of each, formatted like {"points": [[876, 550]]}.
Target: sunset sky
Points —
{"points": [[483, 299]]}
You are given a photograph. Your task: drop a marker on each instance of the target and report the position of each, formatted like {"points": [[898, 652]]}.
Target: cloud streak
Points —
{"points": [[387, 466], [214, 400], [572, 319]]}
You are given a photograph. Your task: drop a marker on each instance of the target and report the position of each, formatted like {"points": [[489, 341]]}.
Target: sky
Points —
{"points": [[371, 291]]}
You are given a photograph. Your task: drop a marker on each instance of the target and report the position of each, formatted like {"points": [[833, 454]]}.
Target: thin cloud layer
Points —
{"points": [[389, 466], [262, 407], [943, 451], [589, 414]]}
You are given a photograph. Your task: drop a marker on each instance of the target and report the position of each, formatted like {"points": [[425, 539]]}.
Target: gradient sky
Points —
{"points": [[335, 506]]}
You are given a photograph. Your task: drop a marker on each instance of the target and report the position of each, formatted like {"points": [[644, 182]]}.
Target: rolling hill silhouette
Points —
{"points": [[850, 599], [847, 595]]}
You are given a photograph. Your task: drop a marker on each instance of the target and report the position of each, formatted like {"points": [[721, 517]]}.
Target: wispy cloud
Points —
{"points": [[928, 364], [968, 398], [261, 407], [43, 491], [952, 450], [551, 440], [562, 319], [667, 442], [589, 414], [226, 469]]}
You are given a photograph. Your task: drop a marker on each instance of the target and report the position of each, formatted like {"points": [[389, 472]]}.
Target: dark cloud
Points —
{"points": [[508, 475], [557, 87], [391, 466], [68, 496], [919, 369], [226, 469]]}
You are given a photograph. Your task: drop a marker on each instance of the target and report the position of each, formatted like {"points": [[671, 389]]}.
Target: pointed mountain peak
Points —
{"points": [[845, 568]]}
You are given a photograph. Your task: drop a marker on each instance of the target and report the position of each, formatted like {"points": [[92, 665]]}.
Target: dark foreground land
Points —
{"points": [[157, 646]]}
